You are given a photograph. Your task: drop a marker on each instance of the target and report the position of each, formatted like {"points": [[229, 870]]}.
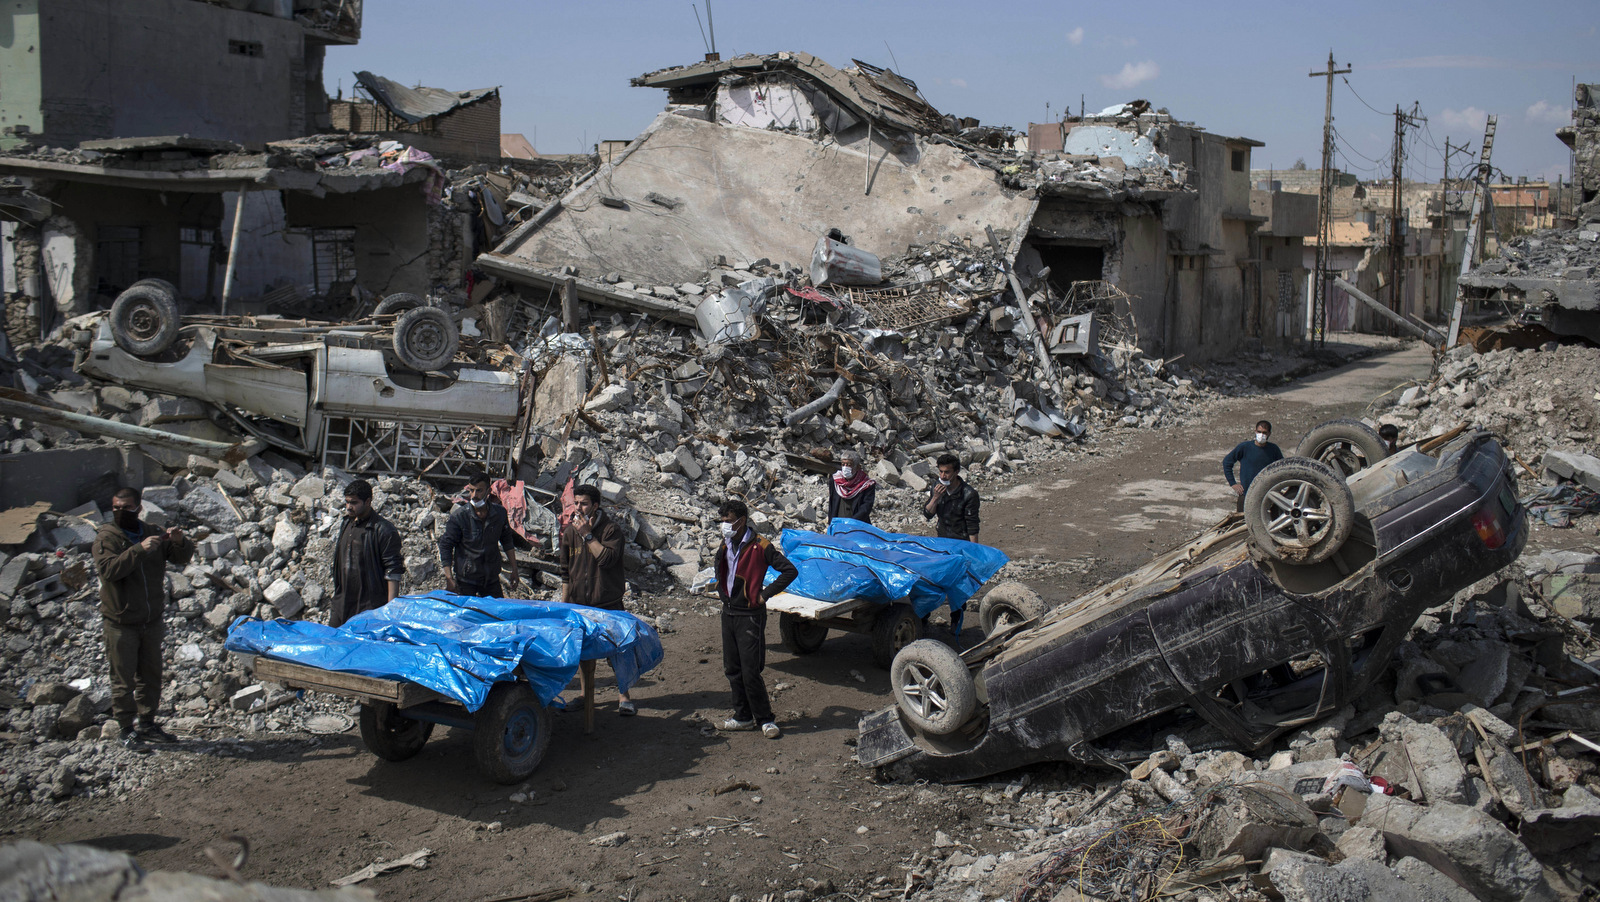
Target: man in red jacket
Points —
{"points": [[742, 562]]}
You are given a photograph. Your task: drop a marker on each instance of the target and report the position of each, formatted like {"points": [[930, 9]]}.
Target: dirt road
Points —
{"points": [[705, 815]]}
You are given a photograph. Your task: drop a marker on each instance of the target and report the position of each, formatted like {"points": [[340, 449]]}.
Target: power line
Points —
{"points": [[1363, 100]]}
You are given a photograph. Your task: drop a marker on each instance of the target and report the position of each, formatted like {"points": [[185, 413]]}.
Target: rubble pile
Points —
{"points": [[1549, 253], [1463, 774]]}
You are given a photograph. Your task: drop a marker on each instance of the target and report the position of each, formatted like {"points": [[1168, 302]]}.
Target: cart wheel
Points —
{"points": [[933, 687], [800, 636], [512, 734], [391, 735], [896, 627]]}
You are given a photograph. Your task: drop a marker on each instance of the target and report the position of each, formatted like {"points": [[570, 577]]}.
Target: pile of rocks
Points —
{"points": [[1473, 734], [1549, 254]]}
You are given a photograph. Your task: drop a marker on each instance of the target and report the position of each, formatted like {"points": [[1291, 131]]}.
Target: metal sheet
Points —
{"points": [[356, 383]]}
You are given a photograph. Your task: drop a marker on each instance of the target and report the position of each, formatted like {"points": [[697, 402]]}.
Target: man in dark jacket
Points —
{"points": [[131, 557], [851, 493], [474, 536], [742, 562], [592, 571], [367, 561], [1252, 457], [953, 502]]}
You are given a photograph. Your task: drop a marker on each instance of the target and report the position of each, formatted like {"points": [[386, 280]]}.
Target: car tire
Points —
{"points": [[1008, 603], [933, 687], [390, 735], [163, 284], [896, 627], [801, 636], [1299, 511], [399, 302], [1346, 446], [425, 339], [144, 319], [512, 734]]}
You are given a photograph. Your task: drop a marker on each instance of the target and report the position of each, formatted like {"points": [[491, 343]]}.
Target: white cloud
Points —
{"points": [[1075, 36], [1548, 113], [958, 82], [1471, 117], [1131, 76]]}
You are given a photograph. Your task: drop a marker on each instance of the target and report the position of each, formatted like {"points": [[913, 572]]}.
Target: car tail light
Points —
{"points": [[1487, 522]]}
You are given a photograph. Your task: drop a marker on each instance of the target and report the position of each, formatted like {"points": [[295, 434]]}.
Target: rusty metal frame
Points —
{"points": [[409, 448]]}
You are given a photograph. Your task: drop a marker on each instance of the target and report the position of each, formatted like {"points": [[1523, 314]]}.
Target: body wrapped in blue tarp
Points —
{"points": [[459, 645], [858, 560]]}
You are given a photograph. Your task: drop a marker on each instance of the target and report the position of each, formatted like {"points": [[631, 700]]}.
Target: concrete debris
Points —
{"points": [[31, 871]]}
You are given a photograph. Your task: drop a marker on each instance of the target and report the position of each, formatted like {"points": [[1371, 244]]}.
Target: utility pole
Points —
{"points": [[1397, 245], [1319, 299]]}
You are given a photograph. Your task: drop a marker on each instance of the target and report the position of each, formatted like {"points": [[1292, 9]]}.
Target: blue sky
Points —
{"points": [[1238, 69]]}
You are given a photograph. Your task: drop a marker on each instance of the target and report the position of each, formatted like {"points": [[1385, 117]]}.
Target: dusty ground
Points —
{"points": [[318, 809]]}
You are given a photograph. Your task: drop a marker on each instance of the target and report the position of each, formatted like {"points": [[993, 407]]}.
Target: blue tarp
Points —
{"points": [[858, 560], [459, 645]]}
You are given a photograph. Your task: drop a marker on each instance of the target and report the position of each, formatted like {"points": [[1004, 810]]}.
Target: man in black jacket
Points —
{"points": [[473, 538], [367, 560], [953, 502], [131, 557], [743, 559]]}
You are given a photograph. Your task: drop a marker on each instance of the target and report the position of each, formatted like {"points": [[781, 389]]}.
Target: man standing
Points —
{"points": [[474, 536], [1252, 457], [132, 558], [851, 493], [953, 502], [591, 564], [742, 563], [367, 561]]}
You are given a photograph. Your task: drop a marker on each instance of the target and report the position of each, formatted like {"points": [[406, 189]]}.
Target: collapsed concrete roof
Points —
{"points": [[866, 91], [419, 103]]}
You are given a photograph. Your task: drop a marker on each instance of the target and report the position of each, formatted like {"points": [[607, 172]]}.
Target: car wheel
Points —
{"points": [[399, 302], [425, 339], [1345, 445], [896, 627], [801, 636], [1009, 603], [513, 732], [162, 284], [144, 320], [933, 687], [391, 735], [1299, 511]]}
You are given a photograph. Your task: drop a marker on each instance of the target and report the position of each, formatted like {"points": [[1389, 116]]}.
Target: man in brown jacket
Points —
{"points": [[132, 558], [591, 563]]}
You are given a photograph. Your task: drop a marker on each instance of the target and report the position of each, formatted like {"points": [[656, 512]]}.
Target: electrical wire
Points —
{"points": [[1363, 99]]}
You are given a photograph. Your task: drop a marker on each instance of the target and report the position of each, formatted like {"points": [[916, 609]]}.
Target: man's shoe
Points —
{"points": [[152, 732], [735, 725], [770, 730], [132, 738], [626, 708]]}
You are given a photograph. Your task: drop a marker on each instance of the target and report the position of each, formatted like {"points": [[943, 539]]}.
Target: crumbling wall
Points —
{"points": [[22, 303], [392, 243], [1585, 133]]}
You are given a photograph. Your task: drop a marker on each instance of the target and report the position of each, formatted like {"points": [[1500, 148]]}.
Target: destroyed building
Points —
{"points": [[245, 70], [756, 157], [459, 125]]}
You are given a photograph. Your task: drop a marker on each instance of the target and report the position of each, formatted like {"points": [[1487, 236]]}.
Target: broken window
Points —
{"points": [[116, 258], [1266, 250], [333, 258], [196, 254], [1239, 162], [245, 48]]}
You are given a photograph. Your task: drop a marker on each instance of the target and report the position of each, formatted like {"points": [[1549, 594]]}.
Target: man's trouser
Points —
{"points": [[744, 656], [134, 651], [490, 588]]}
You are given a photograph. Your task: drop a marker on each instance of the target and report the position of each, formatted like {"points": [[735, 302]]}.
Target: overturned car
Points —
{"points": [[1260, 625]]}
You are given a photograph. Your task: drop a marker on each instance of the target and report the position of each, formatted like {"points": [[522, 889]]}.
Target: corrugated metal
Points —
{"points": [[417, 104]]}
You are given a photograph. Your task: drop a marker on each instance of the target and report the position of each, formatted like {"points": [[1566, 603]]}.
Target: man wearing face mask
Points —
{"points": [[1390, 433], [131, 557], [851, 493], [592, 563], [473, 538], [1252, 457], [742, 563], [953, 502], [368, 563]]}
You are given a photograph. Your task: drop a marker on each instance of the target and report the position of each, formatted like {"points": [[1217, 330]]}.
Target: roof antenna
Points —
{"points": [[702, 28], [891, 55], [711, 26]]}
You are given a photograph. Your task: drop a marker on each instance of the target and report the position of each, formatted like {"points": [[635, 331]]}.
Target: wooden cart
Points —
{"points": [[510, 732], [803, 623]]}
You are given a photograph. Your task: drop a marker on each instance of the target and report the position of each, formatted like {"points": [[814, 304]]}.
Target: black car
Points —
{"points": [[1264, 623]]}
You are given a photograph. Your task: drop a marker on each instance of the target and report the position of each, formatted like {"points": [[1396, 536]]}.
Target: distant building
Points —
{"points": [[457, 125], [1522, 206], [80, 70]]}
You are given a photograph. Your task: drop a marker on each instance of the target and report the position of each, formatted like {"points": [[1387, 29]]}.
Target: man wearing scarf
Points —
{"points": [[851, 493], [742, 563]]}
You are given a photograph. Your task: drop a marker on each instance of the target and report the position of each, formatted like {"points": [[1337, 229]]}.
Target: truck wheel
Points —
{"points": [[144, 320], [425, 339], [1346, 445], [1008, 603], [391, 735], [933, 687], [800, 636], [162, 284], [399, 302], [1299, 511], [512, 734], [896, 627]]}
